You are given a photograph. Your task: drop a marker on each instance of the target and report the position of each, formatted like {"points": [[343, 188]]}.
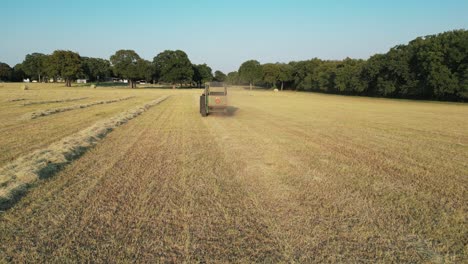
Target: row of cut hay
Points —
{"points": [[55, 101], [52, 111], [22, 173], [17, 100]]}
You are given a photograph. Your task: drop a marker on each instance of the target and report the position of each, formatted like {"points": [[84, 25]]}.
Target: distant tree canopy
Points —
{"points": [[18, 73], [127, 64], [431, 67], [147, 71], [95, 69], [285, 75], [250, 72], [5, 72], [202, 73], [233, 78], [65, 64], [219, 76], [173, 67], [271, 74], [34, 65]]}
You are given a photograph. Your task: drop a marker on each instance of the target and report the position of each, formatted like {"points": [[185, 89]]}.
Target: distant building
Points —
{"points": [[81, 81]]}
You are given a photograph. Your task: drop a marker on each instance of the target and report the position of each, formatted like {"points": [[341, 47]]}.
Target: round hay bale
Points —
{"points": [[93, 86], [275, 90], [24, 87]]}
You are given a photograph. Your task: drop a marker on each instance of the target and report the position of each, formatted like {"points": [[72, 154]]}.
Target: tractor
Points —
{"points": [[213, 99]]}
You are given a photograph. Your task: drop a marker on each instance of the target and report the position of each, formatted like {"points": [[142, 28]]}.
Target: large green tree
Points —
{"points": [[305, 74], [65, 64], [34, 65], [5, 72], [96, 69], [250, 72], [285, 74], [147, 71], [18, 74], [202, 73], [348, 76], [127, 64], [233, 78], [173, 67], [271, 73], [219, 76]]}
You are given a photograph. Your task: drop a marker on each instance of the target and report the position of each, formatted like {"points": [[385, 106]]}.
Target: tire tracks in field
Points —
{"points": [[269, 194], [223, 225]]}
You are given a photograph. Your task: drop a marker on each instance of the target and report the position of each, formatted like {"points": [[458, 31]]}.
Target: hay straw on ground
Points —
{"points": [[19, 175], [55, 101], [52, 111], [17, 100]]}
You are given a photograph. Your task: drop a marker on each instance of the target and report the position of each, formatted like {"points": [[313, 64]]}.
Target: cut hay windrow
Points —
{"points": [[55, 101], [17, 100], [52, 111], [22, 173]]}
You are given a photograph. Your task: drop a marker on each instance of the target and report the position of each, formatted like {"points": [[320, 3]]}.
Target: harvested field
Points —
{"points": [[18, 138], [18, 176], [283, 177]]}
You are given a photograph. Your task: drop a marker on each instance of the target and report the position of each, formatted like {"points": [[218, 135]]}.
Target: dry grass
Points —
{"points": [[286, 177], [16, 100], [52, 111], [22, 136], [18, 176], [50, 101]]}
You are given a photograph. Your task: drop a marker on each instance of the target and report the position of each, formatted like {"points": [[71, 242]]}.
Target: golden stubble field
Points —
{"points": [[285, 177]]}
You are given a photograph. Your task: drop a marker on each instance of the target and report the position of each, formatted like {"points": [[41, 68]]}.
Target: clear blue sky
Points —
{"points": [[222, 34]]}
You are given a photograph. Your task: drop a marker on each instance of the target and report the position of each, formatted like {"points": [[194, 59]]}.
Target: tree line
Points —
{"points": [[430, 67], [173, 67]]}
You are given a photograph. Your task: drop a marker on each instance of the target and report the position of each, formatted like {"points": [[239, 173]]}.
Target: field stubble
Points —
{"points": [[287, 177]]}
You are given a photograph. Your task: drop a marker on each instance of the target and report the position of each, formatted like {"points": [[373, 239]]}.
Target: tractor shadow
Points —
{"points": [[230, 112]]}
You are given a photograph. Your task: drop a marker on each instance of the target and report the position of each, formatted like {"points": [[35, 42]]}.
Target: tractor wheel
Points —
{"points": [[203, 106]]}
